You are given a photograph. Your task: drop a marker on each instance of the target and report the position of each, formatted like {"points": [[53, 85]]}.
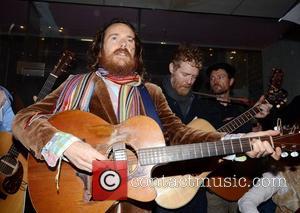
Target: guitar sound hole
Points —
{"points": [[131, 158], [12, 183], [8, 164]]}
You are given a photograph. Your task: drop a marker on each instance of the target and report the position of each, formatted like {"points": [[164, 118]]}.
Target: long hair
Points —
{"points": [[97, 45]]}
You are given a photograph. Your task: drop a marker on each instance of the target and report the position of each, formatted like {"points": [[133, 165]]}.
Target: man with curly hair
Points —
{"points": [[177, 87], [184, 69]]}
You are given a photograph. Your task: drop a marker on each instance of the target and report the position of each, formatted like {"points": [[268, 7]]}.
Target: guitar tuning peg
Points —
{"points": [[284, 154], [294, 154]]}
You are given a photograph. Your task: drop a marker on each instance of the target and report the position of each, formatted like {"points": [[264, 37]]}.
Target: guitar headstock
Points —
{"points": [[63, 63], [275, 94], [289, 144]]}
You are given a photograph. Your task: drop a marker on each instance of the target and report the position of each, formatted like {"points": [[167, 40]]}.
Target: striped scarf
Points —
{"points": [[129, 99], [76, 93]]}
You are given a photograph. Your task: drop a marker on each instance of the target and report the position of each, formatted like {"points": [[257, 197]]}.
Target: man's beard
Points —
{"points": [[183, 91], [116, 68], [180, 89], [219, 91]]}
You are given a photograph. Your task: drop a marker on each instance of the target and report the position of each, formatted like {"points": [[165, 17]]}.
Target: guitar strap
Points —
{"points": [[148, 104]]}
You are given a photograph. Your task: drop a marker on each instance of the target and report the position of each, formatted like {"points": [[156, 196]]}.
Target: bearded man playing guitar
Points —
{"points": [[188, 105], [116, 68], [219, 112]]}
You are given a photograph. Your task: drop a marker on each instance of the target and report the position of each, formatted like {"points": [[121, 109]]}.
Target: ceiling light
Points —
{"points": [[233, 52], [22, 27], [49, 27], [60, 30], [231, 57], [86, 39], [163, 42]]}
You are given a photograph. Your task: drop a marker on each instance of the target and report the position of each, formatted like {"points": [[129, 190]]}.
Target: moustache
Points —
{"points": [[214, 85], [122, 51], [186, 86]]}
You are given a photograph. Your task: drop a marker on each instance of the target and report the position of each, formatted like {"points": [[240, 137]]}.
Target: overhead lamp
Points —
{"points": [[86, 39]]}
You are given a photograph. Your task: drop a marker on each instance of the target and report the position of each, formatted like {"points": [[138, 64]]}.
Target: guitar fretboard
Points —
{"points": [[239, 121], [13, 150], [47, 86], [158, 155]]}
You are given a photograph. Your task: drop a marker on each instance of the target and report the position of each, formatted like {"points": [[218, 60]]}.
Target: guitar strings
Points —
{"points": [[235, 143], [169, 150]]}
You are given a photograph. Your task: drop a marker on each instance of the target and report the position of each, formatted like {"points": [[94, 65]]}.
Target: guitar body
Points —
{"points": [[176, 197], [97, 133], [180, 195], [13, 203], [202, 124], [227, 193], [144, 147]]}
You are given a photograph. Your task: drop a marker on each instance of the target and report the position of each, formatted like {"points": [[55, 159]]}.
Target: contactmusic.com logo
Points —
{"points": [[109, 180]]}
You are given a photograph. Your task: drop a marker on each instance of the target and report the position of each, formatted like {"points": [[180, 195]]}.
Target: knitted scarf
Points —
{"points": [[129, 99]]}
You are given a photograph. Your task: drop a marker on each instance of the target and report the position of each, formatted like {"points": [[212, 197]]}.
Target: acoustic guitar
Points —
{"points": [[144, 147], [13, 175], [13, 165], [275, 96], [60, 68]]}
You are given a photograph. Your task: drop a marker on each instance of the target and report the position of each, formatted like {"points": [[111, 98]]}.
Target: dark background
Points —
{"points": [[242, 33]]}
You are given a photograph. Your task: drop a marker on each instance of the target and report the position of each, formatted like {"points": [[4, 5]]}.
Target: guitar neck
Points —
{"points": [[47, 86], [240, 120], [158, 155], [13, 150]]}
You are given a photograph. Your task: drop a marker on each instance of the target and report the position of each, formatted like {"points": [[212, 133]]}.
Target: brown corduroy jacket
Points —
{"points": [[36, 135]]}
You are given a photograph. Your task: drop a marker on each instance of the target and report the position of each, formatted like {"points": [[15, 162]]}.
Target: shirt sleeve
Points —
{"points": [[6, 117], [263, 190], [55, 148]]}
